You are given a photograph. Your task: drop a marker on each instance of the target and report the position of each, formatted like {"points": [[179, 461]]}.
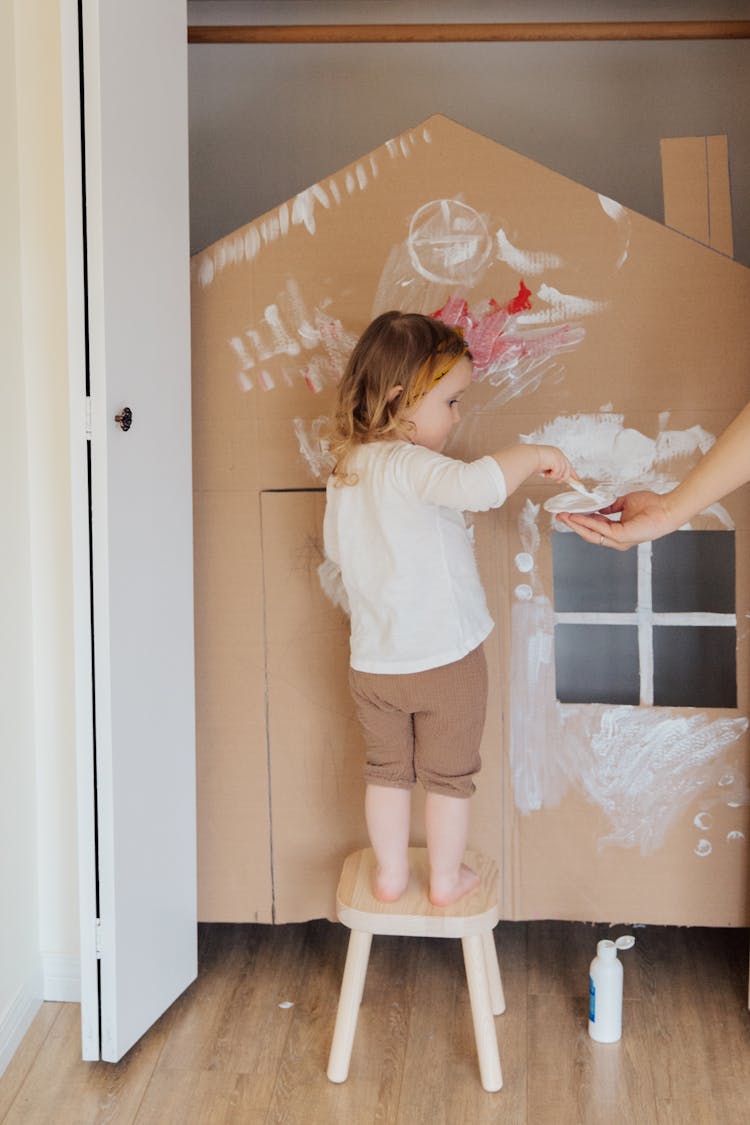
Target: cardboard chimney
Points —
{"points": [[615, 755]]}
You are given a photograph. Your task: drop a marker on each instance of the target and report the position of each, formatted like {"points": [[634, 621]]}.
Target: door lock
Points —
{"points": [[124, 419]]}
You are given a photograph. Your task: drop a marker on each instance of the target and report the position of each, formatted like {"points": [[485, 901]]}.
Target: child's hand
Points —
{"points": [[553, 464], [519, 462]]}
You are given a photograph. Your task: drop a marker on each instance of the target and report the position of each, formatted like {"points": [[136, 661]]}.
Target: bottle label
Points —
{"points": [[592, 1000]]}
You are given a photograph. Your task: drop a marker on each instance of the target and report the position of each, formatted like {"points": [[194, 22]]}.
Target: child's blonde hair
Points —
{"points": [[406, 350]]}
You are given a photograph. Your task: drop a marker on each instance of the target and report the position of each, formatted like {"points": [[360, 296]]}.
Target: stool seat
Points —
{"points": [[471, 919], [414, 915]]}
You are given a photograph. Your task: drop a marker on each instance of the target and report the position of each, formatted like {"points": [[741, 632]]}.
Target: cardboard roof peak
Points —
{"points": [[443, 217]]}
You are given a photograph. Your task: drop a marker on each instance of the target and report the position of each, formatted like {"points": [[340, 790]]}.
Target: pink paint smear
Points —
{"points": [[501, 350]]}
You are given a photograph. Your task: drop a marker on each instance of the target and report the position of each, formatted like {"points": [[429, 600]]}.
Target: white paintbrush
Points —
{"points": [[592, 493]]}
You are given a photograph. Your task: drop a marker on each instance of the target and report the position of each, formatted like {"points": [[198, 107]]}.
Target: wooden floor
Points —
{"points": [[248, 1042]]}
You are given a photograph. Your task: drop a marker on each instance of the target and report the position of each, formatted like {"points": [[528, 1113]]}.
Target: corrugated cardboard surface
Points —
{"points": [[665, 348], [697, 202]]}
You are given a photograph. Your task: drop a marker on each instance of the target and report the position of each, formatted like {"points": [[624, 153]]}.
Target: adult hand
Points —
{"points": [[644, 516]]}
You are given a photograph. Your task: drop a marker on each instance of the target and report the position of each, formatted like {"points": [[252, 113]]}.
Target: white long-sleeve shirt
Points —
{"points": [[406, 556]]}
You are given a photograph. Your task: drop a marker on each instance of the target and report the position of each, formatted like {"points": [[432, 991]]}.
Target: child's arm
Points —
{"points": [[473, 486], [519, 462]]}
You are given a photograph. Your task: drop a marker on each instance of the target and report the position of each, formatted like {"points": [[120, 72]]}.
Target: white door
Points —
{"points": [[137, 255]]}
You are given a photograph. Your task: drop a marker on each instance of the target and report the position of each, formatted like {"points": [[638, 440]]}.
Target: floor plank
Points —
{"points": [[60, 1088], [248, 1042], [21, 1063]]}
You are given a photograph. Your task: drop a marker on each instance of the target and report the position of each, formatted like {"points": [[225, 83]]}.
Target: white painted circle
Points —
{"points": [[703, 821], [524, 562], [523, 592], [703, 848], [735, 835], [448, 242]]}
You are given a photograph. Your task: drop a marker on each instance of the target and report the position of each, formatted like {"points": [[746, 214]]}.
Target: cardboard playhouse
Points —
{"points": [[615, 755]]}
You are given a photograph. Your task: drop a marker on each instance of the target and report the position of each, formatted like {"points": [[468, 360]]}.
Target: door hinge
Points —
{"points": [[98, 937], [87, 422]]}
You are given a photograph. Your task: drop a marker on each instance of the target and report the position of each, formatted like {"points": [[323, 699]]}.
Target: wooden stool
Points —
{"points": [[471, 919]]}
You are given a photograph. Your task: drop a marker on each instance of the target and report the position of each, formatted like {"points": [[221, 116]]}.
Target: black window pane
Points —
{"points": [[693, 572], [597, 663], [695, 666], [592, 579]]}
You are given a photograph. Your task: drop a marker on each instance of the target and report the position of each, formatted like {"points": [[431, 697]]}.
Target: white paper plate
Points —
{"points": [[576, 502]]}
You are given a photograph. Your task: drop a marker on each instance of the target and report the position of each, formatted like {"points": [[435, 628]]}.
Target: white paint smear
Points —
{"points": [[448, 242], [313, 447], [286, 328], [610, 207], [206, 270], [562, 307], [524, 562], [303, 210], [270, 229], [335, 191], [525, 262], [601, 447], [319, 193], [621, 217], [237, 344], [252, 243], [642, 766]]}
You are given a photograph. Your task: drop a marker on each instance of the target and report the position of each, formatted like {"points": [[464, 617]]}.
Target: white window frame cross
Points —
{"points": [[645, 618]]}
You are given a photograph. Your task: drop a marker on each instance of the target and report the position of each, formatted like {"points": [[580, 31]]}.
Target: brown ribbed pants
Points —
{"points": [[425, 725]]}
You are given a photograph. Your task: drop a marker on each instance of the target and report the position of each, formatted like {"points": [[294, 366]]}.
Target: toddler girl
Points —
{"points": [[395, 529]]}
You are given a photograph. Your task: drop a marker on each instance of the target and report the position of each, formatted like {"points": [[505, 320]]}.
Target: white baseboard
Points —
{"points": [[16, 1020], [62, 977]]}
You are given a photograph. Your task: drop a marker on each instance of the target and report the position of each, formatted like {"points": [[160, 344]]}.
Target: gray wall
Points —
{"points": [[267, 121]]}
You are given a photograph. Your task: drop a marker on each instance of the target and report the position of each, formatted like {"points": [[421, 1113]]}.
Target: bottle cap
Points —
{"points": [[627, 941], [606, 949]]}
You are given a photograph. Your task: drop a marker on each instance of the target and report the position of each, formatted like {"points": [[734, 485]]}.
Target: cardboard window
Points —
{"points": [[597, 663], [694, 572], [695, 666], [591, 580], [686, 662]]}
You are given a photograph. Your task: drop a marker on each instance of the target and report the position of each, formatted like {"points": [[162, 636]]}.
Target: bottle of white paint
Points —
{"points": [[605, 990]]}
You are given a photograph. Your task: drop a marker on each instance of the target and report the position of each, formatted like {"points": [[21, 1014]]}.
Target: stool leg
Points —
{"points": [[497, 997], [352, 987], [484, 1025]]}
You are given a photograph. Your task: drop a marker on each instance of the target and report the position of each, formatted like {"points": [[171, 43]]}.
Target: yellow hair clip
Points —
{"points": [[426, 379]]}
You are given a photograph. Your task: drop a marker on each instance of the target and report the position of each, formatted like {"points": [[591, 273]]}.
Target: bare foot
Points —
{"points": [[388, 887], [445, 892]]}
